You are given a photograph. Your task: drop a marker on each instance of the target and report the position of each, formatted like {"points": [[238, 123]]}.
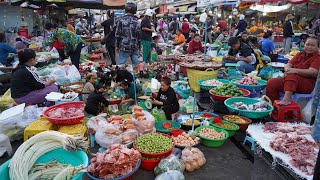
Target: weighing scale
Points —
{"points": [[232, 70], [145, 102]]}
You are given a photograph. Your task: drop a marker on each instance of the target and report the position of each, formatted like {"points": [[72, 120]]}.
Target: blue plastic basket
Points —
{"points": [[251, 88], [62, 156], [121, 177]]}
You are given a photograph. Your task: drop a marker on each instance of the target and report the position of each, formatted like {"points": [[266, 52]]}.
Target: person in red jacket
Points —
{"points": [[60, 47], [195, 45], [185, 28]]}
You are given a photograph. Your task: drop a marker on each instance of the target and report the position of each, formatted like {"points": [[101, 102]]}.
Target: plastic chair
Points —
{"points": [[287, 113], [37, 127], [251, 140]]}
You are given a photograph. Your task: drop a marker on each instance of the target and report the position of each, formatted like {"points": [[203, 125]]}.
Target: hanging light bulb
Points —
{"points": [[219, 15], [210, 12], [264, 14], [230, 17]]}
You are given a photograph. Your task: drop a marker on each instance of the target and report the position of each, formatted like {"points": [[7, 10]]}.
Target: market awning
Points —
{"points": [[192, 8], [182, 8], [270, 8], [184, 13]]}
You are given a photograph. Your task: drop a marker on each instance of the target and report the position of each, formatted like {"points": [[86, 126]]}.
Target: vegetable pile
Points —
{"points": [[185, 140], [226, 126], [116, 161], [236, 119], [211, 134], [259, 106], [153, 143], [27, 154], [212, 82], [193, 158], [248, 81], [189, 122], [65, 113], [227, 90]]}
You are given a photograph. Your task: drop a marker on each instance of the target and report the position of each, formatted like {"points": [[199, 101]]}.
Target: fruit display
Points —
{"points": [[294, 52], [185, 140], [227, 90], [248, 81], [235, 119], [153, 143], [212, 82], [211, 134]]}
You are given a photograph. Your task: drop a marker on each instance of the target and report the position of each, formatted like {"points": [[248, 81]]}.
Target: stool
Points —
{"points": [[5, 145], [292, 111], [76, 129], [251, 140], [37, 127], [174, 116]]}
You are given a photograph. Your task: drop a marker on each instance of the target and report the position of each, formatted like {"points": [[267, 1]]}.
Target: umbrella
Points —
{"points": [[270, 8]]}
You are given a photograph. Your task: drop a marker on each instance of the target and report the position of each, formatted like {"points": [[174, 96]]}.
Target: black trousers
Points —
{"points": [[169, 110], [75, 56], [316, 174], [112, 53]]}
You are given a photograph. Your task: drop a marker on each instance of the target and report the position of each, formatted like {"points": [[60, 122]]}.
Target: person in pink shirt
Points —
{"points": [[141, 68], [221, 24]]}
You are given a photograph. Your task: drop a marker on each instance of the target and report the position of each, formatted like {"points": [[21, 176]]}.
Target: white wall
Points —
{"points": [[10, 16]]}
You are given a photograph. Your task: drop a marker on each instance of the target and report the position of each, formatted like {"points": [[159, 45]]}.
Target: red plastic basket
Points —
{"points": [[64, 121], [223, 98], [155, 155]]}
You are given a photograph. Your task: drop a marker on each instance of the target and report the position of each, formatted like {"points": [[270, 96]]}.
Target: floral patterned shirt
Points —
{"points": [[68, 38]]}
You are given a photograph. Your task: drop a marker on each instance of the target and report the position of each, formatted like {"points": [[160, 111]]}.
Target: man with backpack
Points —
{"points": [[128, 35], [109, 36]]}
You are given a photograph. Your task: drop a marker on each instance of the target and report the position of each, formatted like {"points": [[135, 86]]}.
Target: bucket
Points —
{"points": [[176, 132]]}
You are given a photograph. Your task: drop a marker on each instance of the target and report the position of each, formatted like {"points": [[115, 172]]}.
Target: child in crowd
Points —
{"points": [[88, 87], [96, 101]]}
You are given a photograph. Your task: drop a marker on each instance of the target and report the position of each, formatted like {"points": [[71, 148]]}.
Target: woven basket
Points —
{"points": [[195, 75], [246, 113], [64, 121]]}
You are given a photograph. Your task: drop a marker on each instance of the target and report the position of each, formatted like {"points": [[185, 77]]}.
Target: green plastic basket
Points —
{"points": [[74, 158], [246, 113], [207, 88], [251, 88], [230, 131], [212, 142], [174, 125]]}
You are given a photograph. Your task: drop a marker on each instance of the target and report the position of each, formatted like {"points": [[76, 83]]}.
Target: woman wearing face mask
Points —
{"points": [[195, 45], [167, 98], [26, 86]]}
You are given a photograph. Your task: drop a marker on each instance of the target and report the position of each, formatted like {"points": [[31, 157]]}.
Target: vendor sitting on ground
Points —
{"points": [[128, 88], [96, 101], [179, 40], [191, 35], [119, 75], [267, 45], [5, 49], [26, 86], [300, 74], [88, 87], [195, 45], [241, 54], [167, 98]]}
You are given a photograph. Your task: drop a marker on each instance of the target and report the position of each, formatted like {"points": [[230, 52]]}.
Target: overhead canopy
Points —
{"points": [[278, 1], [270, 8]]}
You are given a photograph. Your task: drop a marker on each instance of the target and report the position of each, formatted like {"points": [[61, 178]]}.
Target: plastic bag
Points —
{"points": [[177, 152], [54, 53], [30, 114], [108, 135], [269, 72], [60, 75], [145, 126], [170, 163], [9, 120], [73, 74], [306, 112], [171, 175], [193, 158], [129, 136], [6, 100], [95, 123]]}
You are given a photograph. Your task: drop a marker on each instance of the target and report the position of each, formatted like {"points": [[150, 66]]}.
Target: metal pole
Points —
{"points": [[90, 47]]}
